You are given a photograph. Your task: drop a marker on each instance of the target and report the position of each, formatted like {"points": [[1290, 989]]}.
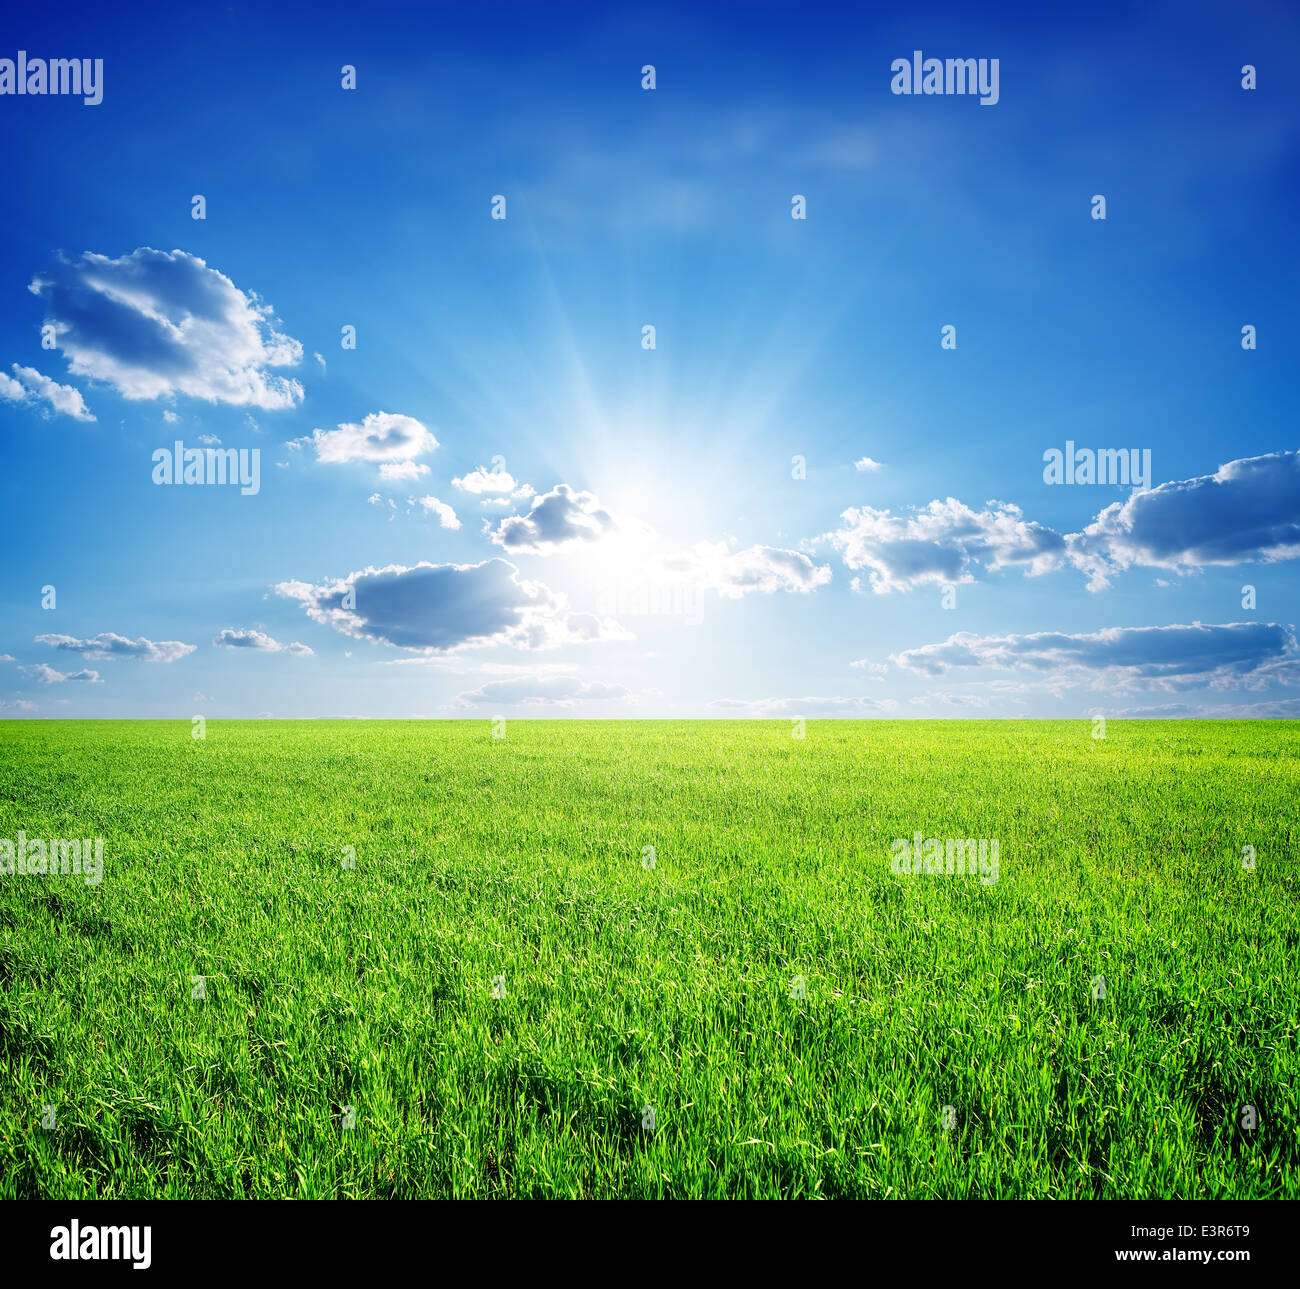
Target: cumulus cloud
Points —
{"points": [[865, 465], [44, 674], [155, 323], [230, 638], [1223, 656], [942, 543], [714, 566], [541, 691], [436, 608], [382, 437], [446, 515], [1247, 511], [485, 482], [804, 706], [558, 519], [32, 387], [109, 645]]}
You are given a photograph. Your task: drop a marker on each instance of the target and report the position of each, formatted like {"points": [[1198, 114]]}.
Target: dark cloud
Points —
{"points": [[1249, 510], [1173, 657], [441, 607]]}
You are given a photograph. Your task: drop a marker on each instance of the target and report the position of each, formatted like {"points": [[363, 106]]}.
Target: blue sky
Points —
{"points": [[501, 502]]}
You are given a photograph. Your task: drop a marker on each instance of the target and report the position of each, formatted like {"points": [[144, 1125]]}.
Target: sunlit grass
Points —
{"points": [[629, 986]]}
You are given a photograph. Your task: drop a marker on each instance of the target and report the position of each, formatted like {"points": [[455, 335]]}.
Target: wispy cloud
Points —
{"points": [[44, 674], [32, 387], [541, 691], [230, 638], [109, 645], [1222, 656]]}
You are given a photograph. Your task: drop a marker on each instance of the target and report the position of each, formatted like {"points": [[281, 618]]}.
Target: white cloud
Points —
{"points": [[557, 520], [541, 690], [109, 645], [402, 470], [947, 698], [866, 465], [446, 515], [874, 669], [714, 566], [483, 480], [230, 638], [791, 707], [383, 437], [156, 323], [942, 543], [32, 387], [44, 674], [1247, 511]]}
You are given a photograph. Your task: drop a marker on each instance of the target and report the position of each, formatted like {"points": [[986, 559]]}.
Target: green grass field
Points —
{"points": [[672, 987]]}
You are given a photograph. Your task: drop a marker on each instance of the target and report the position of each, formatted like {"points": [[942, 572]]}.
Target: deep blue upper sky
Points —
{"points": [[796, 479]]}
